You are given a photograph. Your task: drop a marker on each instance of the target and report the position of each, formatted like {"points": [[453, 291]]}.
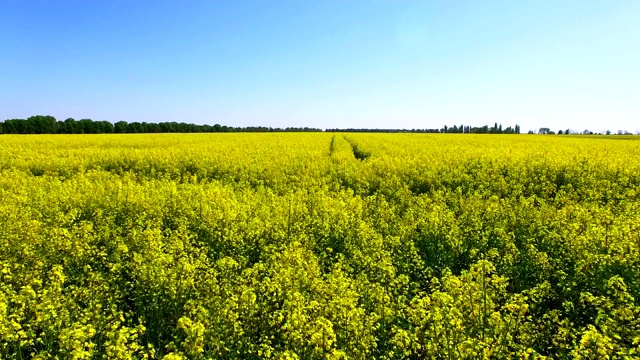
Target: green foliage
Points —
{"points": [[47, 125]]}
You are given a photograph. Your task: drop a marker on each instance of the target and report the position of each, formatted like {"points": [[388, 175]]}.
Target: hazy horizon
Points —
{"points": [[325, 64]]}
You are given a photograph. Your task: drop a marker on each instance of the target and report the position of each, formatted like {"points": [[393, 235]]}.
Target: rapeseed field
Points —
{"points": [[319, 246]]}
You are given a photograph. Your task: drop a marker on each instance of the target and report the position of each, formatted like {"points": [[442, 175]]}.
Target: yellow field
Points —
{"points": [[319, 245]]}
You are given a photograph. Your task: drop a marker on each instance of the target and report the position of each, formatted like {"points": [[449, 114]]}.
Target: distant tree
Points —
{"points": [[8, 127], [105, 127], [134, 127], [20, 126], [62, 128], [559, 132], [120, 127], [70, 126], [87, 126], [15, 126], [41, 124], [152, 128]]}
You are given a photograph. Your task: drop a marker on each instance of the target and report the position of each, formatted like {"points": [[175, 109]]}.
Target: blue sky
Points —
{"points": [[327, 64]]}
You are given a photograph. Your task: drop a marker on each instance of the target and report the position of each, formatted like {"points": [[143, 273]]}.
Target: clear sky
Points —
{"points": [[376, 64]]}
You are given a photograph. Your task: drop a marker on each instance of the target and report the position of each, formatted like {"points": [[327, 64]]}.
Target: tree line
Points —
{"points": [[49, 125], [41, 124], [496, 129]]}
